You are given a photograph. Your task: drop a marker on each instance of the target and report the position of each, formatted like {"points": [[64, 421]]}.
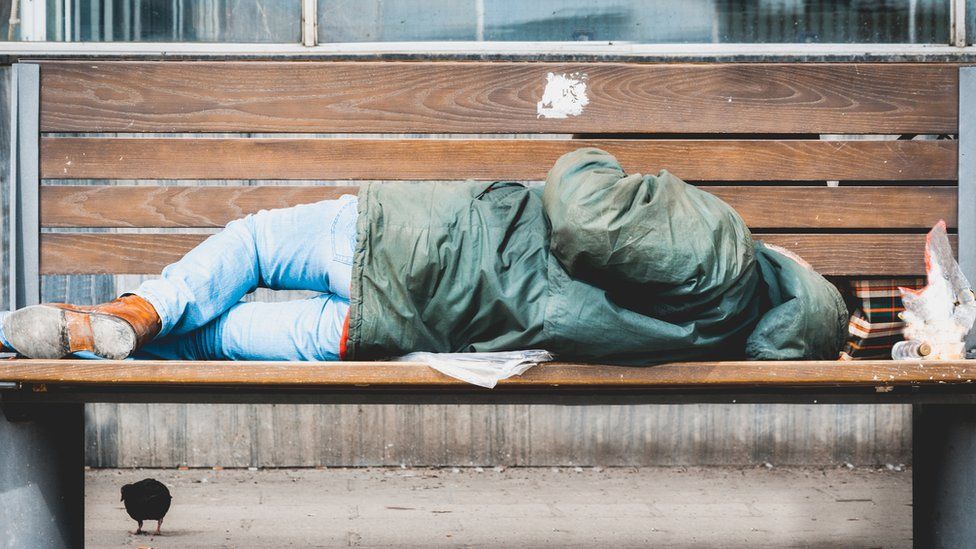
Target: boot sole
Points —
{"points": [[41, 331]]}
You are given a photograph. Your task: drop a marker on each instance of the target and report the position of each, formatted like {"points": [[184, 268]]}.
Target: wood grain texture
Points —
{"points": [[894, 207], [875, 207], [553, 376], [830, 254], [498, 97], [858, 254], [489, 159], [73, 253], [169, 207]]}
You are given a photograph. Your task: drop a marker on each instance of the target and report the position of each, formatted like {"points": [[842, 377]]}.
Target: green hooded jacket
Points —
{"points": [[596, 265]]}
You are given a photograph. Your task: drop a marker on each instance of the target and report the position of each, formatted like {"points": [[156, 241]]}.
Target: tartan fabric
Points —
{"points": [[874, 326]]}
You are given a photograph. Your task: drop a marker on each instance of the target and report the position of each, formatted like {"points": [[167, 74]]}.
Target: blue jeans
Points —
{"points": [[307, 247]]}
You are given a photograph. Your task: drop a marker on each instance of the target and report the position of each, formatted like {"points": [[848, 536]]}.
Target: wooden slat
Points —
{"points": [[831, 254], [841, 207], [554, 376], [497, 97], [488, 159], [73, 253], [167, 207], [858, 254], [762, 207]]}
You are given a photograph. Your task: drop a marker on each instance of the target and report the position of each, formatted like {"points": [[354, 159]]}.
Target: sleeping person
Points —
{"points": [[596, 265]]}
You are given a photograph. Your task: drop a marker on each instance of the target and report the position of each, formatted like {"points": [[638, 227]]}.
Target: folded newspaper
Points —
{"points": [[483, 369]]}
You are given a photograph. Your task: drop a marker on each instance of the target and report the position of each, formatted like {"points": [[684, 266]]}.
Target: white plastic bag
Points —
{"points": [[483, 369], [939, 316]]}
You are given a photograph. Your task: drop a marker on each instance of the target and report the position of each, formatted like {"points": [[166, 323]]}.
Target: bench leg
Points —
{"points": [[42, 479], [944, 475]]}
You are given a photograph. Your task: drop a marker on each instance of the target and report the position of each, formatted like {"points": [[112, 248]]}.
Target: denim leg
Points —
{"points": [[307, 329], [307, 247]]}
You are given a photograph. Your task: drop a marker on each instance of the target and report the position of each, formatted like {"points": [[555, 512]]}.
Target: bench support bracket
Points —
{"points": [[943, 484], [42, 480]]}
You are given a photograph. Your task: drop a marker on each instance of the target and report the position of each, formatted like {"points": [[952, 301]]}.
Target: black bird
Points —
{"points": [[147, 499]]}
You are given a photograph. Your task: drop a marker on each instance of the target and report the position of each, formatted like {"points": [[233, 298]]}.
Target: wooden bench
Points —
{"points": [[750, 133]]}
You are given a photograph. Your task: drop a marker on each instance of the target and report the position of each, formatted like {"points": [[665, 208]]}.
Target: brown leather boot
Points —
{"points": [[112, 330]]}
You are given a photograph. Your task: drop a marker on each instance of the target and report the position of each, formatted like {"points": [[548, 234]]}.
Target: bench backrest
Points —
{"points": [[750, 133]]}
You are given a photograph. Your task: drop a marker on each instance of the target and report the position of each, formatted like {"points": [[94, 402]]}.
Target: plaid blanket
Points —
{"points": [[875, 326]]}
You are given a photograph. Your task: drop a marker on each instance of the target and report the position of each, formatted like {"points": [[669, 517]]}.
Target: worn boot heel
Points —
{"points": [[46, 331]]}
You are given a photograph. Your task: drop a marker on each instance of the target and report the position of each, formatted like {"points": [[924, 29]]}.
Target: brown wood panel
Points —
{"points": [[841, 207], [174, 206], [489, 159], [554, 376], [73, 253], [831, 254], [495, 97], [762, 207], [857, 254]]}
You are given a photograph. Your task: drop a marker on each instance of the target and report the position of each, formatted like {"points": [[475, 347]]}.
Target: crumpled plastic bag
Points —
{"points": [[483, 369], [939, 316]]}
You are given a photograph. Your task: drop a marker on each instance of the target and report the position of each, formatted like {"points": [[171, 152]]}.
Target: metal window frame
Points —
{"points": [[487, 50], [957, 23], [33, 20], [34, 27], [310, 23]]}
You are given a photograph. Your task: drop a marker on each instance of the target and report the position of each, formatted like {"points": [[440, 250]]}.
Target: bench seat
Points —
{"points": [[556, 376], [45, 382]]}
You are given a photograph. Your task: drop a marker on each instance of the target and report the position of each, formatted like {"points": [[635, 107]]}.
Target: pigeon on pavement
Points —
{"points": [[147, 499]]}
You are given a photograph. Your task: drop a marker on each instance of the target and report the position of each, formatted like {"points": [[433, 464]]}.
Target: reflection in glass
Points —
{"points": [[643, 21], [638, 21], [167, 20]]}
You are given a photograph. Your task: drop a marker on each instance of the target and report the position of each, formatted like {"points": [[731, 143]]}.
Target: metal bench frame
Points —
{"points": [[41, 443]]}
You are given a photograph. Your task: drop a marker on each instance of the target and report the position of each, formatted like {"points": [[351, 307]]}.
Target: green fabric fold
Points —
{"points": [[597, 265]]}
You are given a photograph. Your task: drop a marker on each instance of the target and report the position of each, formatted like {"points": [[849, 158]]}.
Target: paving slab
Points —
{"points": [[523, 507]]}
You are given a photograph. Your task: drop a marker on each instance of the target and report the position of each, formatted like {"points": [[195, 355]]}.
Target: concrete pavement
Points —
{"points": [[565, 507]]}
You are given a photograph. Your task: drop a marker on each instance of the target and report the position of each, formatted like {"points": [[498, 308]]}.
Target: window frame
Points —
{"points": [[33, 20]]}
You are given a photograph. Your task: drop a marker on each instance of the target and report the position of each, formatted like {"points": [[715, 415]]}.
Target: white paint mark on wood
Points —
{"points": [[564, 96]]}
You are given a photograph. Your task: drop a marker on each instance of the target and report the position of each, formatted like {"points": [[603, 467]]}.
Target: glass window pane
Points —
{"points": [[10, 32], [172, 20], [970, 21], [642, 21]]}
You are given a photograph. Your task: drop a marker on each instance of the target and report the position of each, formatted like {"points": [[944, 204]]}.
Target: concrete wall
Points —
{"points": [[139, 435]]}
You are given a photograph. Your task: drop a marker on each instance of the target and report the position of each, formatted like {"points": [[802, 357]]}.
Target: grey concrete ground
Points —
{"points": [[566, 507]]}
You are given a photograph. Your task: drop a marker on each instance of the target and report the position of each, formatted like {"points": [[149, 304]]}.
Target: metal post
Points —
{"points": [[967, 180], [41, 447], [943, 483], [12, 175], [25, 284]]}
